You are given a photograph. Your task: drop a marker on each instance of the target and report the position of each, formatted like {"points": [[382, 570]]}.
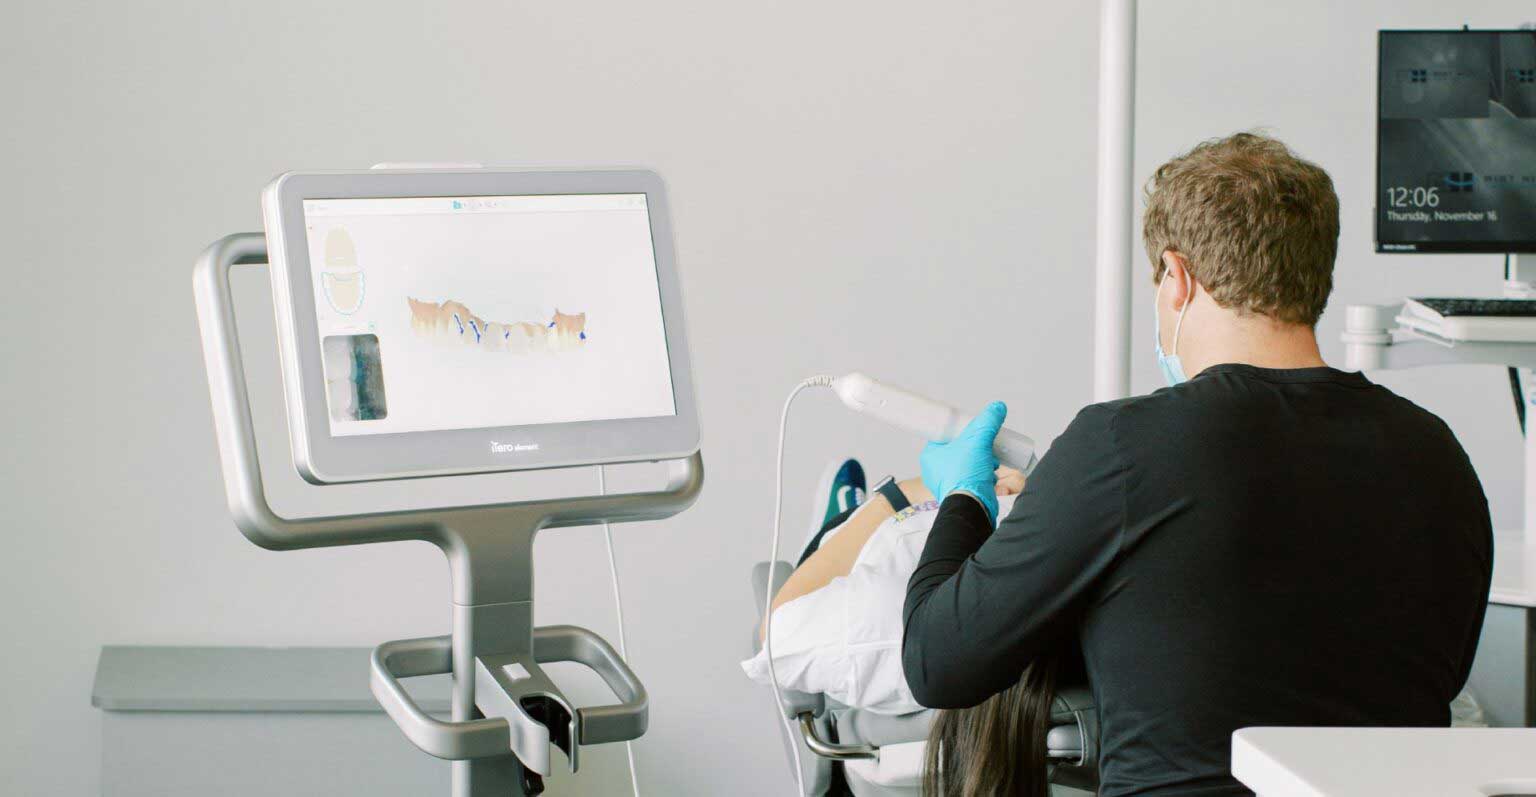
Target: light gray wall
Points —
{"points": [[903, 188]]}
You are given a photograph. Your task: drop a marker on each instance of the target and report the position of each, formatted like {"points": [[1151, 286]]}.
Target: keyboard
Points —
{"points": [[1482, 308], [1500, 320]]}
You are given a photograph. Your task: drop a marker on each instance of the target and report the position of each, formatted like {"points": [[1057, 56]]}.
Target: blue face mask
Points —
{"points": [[1173, 370]]}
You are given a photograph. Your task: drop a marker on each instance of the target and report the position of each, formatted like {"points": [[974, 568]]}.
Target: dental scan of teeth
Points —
{"points": [[442, 313]]}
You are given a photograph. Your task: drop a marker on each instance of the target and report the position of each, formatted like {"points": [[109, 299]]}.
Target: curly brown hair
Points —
{"points": [[1258, 225]]}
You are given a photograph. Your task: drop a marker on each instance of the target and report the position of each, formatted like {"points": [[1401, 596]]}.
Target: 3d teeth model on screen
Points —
{"points": [[451, 321], [343, 278]]}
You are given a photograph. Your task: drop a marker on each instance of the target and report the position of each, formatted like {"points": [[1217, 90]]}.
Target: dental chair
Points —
{"points": [[844, 750]]}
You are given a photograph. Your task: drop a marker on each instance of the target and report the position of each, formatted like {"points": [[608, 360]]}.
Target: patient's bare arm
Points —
{"points": [[836, 556]]}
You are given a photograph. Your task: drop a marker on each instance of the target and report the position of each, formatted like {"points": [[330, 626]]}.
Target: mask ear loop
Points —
{"points": [[1179, 324]]}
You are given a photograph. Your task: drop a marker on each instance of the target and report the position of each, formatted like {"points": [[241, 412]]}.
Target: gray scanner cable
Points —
{"points": [[773, 562], [618, 606]]}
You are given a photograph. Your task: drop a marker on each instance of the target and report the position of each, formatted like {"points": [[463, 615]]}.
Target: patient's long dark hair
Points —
{"points": [[996, 748]]}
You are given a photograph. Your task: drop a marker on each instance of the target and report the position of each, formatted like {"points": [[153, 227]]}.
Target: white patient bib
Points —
{"points": [[844, 640]]}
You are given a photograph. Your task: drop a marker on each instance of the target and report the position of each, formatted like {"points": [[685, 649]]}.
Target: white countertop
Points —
{"points": [[1514, 570], [1403, 762]]}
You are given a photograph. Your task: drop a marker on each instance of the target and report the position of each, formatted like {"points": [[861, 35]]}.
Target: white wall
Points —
{"points": [[901, 188]]}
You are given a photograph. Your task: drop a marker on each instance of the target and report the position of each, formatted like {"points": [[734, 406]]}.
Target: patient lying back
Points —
{"points": [[837, 621]]}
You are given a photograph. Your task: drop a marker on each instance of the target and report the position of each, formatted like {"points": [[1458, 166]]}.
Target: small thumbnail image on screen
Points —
{"points": [[354, 378]]}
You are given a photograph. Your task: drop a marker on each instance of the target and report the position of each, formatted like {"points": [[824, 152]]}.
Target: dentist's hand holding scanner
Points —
{"points": [[967, 464]]}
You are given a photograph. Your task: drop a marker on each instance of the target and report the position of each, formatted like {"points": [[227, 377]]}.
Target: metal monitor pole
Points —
{"points": [[1115, 215]]}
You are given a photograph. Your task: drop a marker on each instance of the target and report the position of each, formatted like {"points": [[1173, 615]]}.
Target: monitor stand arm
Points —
{"points": [[506, 711], [1521, 282], [1373, 340]]}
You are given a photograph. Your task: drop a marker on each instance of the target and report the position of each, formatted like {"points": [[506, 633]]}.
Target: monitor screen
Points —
{"points": [[1456, 141], [438, 313]]}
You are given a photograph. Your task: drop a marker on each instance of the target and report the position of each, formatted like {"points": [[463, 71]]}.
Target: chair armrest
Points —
{"points": [[1076, 729]]}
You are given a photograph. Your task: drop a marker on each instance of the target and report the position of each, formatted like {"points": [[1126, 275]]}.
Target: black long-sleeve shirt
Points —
{"points": [[1253, 547]]}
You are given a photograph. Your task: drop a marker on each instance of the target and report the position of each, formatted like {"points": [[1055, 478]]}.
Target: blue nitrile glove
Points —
{"points": [[966, 464]]}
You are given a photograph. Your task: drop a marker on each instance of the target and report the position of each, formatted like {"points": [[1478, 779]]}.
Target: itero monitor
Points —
{"points": [[1456, 141], [435, 322]]}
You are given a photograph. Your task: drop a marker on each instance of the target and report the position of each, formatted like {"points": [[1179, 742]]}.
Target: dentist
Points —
{"points": [[1268, 541]]}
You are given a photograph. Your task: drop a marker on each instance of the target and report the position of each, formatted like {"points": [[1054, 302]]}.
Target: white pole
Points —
{"points": [[1112, 255]]}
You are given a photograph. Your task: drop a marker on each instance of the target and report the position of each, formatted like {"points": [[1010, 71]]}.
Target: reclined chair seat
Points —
{"points": [[899, 741]]}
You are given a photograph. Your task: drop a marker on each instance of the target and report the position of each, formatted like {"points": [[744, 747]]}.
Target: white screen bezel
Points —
{"points": [[323, 458]]}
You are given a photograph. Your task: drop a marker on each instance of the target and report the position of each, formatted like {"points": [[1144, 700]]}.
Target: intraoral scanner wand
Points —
{"points": [[928, 418]]}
